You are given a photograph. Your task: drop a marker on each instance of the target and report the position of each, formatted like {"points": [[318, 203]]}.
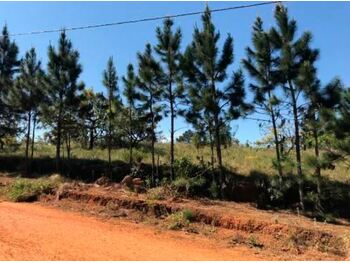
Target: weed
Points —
{"points": [[159, 193], [237, 239], [180, 219], [23, 190], [253, 241], [188, 215]]}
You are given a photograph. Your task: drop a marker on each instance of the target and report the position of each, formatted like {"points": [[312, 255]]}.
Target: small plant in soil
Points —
{"points": [[253, 241], [188, 215], [237, 239], [180, 220]]}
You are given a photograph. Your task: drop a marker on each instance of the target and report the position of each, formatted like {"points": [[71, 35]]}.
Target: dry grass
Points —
{"points": [[239, 159]]}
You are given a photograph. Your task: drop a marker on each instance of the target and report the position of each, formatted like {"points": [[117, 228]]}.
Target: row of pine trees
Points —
{"points": [[195, 84]]}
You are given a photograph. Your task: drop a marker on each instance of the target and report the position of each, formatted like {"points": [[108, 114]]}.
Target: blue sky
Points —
{"points": [[328, 21]]}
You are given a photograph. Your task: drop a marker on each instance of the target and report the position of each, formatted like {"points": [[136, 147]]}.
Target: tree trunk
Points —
{"points": [[68, 146], [211, 148], [318, 168], [297, 145], [28, 141], [110, 139], [218, 153], [92, 138], [33, 137], [277, 147], [172, 118], [58, 141], [153, 142], [218, 139], [130, 136], [317, 154]]}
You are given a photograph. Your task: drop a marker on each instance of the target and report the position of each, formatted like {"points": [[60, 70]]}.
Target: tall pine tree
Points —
{"points": [[133, 122], [63, 71], [261, 65], [168, 48], [205, 69], [150, 83], [92, 115], [8, 67], [293, 52], [28, 94], [110, 81]]}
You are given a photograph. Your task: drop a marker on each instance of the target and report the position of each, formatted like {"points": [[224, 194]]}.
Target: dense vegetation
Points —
{"points": [[94, 134]]}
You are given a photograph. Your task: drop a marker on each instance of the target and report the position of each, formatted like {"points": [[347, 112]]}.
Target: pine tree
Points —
{"points": [[110, 81], [168, 48], [260, 63], [205, 69], [8, 67], [186, 137], [319, 101], [293, 53], [150, 83], [335, 121], [28, 94], [63, 90], [133, 121], [338, 123], [92, 115]]}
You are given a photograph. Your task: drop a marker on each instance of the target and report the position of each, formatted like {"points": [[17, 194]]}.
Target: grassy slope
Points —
{"points": [[240, 159]]}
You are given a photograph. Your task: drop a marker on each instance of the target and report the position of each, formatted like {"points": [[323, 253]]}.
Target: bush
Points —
{"points": [[189, 177], [188, 186], [184, 168], [159, 193], [180, 219], [278, 192], [214, 190], [24, 190], [188, 215]]}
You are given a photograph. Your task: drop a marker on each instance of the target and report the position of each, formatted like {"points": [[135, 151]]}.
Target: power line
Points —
{"points": [[142, 19]]}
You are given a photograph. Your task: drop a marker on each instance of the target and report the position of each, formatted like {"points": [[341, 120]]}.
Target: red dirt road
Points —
{"points": [[33, 232]]}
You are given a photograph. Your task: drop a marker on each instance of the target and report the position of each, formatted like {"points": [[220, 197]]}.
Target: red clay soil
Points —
{"points": [[33, 232], [243, 214]]}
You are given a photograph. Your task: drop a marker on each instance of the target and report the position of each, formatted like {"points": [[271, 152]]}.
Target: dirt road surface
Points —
{"points": [[34, 232]]}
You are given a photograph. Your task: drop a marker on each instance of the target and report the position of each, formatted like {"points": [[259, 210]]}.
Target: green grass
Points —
{"points": [[239, 159], [26, 189]]}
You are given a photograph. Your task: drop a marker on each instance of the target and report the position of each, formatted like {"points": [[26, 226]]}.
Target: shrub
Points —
{"points": [[188, 186], [180, 219], [187, 214], [184, 168], [280, 193], [214, 190], [159, 193], [24, 190]]}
